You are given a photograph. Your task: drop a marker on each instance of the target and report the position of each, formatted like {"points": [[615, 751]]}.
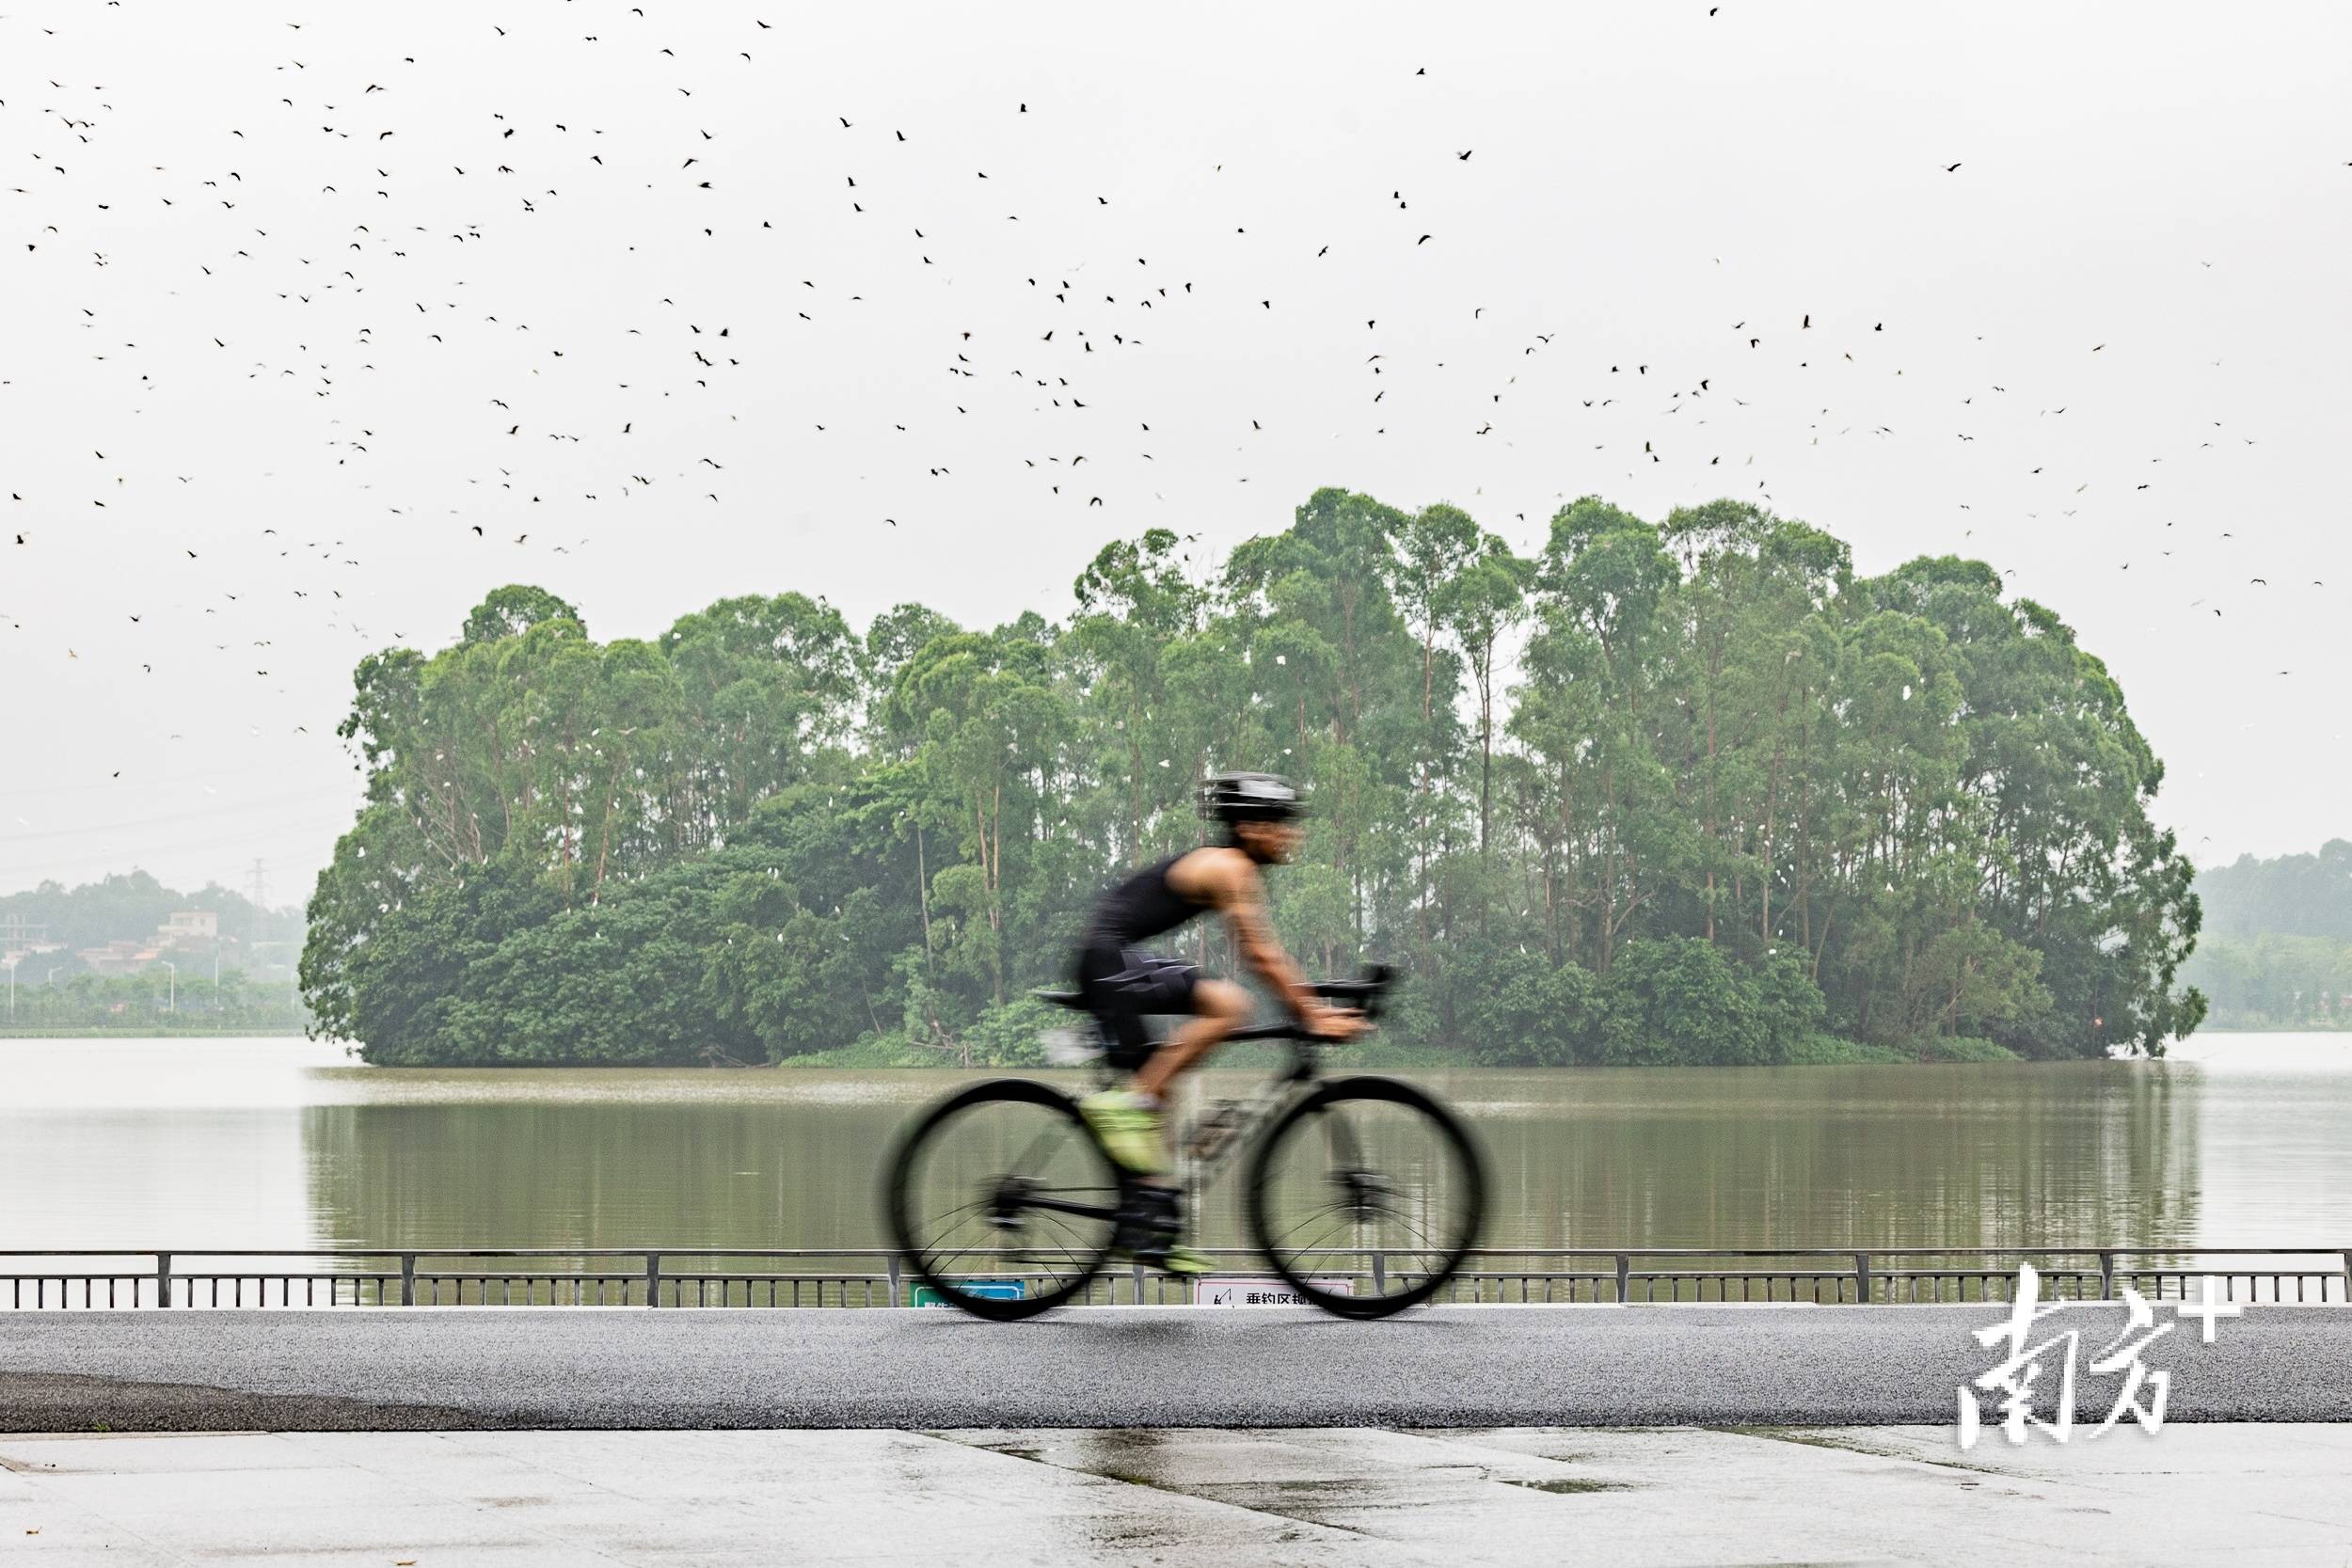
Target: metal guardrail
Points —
{"points": [[689, 1276]]}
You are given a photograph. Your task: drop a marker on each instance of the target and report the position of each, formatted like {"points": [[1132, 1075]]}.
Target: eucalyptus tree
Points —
{"points": [[1730, 795]]}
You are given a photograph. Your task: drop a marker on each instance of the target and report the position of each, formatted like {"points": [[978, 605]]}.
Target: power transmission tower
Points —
{"points": [[257, 886]]}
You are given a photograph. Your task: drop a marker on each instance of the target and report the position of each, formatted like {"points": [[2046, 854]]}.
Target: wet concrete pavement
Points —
{"points": [[1362, 1498], [440, 1368]]}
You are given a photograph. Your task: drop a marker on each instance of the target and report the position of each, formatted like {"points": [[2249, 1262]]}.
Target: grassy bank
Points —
{"points": [[1828, 1049]]}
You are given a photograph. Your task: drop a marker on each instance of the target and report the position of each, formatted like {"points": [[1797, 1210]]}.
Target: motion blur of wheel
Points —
{"points": [[1359, 1168], [1002, 1200]]}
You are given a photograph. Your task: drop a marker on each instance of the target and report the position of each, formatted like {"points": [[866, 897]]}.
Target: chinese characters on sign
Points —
{"points": [[2020, 1376], [1227, 1291]]}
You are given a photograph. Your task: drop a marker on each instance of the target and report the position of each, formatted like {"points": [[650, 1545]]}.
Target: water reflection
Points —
{"points": [[1871, 1156], [192, 1144]]}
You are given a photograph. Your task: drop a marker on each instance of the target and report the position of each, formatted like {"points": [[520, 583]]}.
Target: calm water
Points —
{"points": [[235, 1145]]}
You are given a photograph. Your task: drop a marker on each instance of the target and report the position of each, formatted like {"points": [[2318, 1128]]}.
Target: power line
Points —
{"points": [[279, 836], [11, 795], [208, 812]]}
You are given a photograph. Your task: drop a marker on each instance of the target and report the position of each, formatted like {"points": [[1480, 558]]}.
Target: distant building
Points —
{"points": [[120, 957], [20, 938], [188, 927]]}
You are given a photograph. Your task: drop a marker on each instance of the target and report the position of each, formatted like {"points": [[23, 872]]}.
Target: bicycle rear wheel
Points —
{"points": [[1002, 1199], [1366, 1197]]}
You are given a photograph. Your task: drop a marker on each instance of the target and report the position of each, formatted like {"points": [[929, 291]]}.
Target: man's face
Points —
{"points": [[1271, 842]]}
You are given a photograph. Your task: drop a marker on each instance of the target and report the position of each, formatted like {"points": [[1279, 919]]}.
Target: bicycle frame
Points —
{"points": [[1251, 1112], [1254, 1112]]}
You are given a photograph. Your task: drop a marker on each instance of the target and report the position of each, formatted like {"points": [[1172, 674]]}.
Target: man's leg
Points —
{"points": [[1219, 1009], [1135, 1124]]}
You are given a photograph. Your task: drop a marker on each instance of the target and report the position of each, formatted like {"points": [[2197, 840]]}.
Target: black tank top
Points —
{"points": [[1142, 905]]}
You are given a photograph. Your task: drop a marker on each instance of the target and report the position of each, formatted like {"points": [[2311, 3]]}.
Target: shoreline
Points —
{"points": [[95, 1033]]}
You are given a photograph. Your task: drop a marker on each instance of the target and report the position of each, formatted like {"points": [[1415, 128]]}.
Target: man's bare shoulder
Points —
{"points": [[1214, 874]]}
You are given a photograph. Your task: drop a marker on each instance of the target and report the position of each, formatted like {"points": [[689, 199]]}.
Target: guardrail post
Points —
{"points": [[1624, 1273], [1862, 1278], [653, 1280], [408, 1279], [2106, 1276], [2348, 1275], [162, 1278], [897, 1296], [1138, 1273], [1379, 1273]]}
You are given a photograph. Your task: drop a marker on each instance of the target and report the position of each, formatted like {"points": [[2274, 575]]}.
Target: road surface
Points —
{"points": [[459, 1368]]}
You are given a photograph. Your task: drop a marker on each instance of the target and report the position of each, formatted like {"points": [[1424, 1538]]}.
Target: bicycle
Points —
{"points": [[1007, 1205]]}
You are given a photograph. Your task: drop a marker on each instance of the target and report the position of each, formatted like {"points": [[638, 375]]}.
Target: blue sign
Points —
{"points": [[986, 1290]]}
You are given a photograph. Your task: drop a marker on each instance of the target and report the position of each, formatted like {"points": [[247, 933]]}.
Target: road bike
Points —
{"points": [[1363, 1193]]}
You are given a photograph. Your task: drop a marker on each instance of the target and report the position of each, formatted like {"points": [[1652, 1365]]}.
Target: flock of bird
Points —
{"points": [[406, 271]]}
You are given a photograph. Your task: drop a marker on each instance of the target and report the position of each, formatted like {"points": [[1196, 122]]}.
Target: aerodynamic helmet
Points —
{"points": [[1230, 797]]}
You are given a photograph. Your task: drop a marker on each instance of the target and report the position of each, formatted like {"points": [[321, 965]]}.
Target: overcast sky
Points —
{"points": [[265, 370]]}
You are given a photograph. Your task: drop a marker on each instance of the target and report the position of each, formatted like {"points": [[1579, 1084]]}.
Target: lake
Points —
{"points": [[236, 1146]]}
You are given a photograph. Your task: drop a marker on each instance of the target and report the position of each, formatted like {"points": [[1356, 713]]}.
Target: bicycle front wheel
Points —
{"points": [[1002, 1199], [1366, 1197]]}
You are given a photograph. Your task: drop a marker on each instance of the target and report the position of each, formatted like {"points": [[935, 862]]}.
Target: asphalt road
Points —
{"points": [[455, 1368]]}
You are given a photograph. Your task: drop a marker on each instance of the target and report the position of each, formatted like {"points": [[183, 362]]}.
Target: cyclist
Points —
{"points": [[1122, 983]]}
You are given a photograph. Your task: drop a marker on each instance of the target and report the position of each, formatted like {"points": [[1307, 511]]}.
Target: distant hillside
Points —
{"points": [[2293, 895], [2276, 951]]}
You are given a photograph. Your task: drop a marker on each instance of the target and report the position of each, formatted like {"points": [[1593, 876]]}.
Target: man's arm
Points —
{"points": [[1237, 891], [1253, 934]]}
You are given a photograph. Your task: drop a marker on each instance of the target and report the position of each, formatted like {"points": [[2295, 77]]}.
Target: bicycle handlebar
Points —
{"points": [[1365, 994]]}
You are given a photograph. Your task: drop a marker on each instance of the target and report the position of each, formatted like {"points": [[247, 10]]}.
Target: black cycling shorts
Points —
{"points": [[1122, 987]]}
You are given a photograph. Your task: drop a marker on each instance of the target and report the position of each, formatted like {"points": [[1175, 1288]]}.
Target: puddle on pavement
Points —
{"points": [[1167, 1461]]}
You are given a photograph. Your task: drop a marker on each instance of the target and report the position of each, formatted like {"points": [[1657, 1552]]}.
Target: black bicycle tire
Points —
{"points": [[1395, 1092], [1023, 1090]]}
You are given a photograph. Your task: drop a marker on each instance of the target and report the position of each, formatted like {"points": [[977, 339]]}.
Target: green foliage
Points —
{"points": [[1519, 1009], [149, 1002], [1960, 1048], [1679, 792], [1679, 1000], [1830, 1050], [2275, 982]]}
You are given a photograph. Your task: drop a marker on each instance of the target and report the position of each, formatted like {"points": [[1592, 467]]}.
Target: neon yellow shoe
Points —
{"points": [[1183, 1262], [1129, 1130], [1174, 1258]]}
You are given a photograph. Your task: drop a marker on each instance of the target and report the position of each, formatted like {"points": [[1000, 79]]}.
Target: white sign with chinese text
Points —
{"points": [[1223, 1292]]}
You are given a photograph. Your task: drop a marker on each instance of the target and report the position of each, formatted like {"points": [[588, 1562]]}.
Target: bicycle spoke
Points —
{"points": [[1083, 1251], [1374, 1185], [1027, 1159], [1321, 1241], [985, 1191], [940, 1232], [1310, 1217]]}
